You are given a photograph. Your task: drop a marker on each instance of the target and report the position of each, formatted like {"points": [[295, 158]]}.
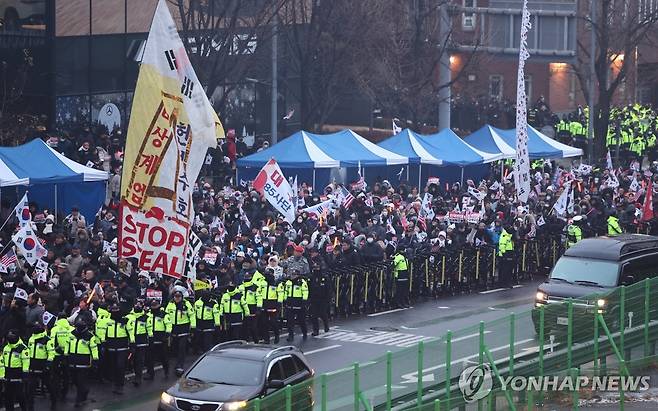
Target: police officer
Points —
{"points": [[233, 309], [401, 277], [82, 351], [41, 353], [158, 326], [253, 296], [183, 322], [296, 298], [206, 310], [60, 334], [116, 342], [319, 295], [138, 335], [506, 254], [574, 232], [15, 363], [273, 296], [613, 224]]}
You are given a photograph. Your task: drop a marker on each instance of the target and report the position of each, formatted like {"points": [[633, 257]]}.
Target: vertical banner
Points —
{"points": [[172, 125], [272, 184], [522, 163]]}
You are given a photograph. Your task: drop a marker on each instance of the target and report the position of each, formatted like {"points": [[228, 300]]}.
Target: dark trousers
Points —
{"points": [[206, 339], [402, 289], [32, 384], [506, 270], [296, 315], [158, 351], [116, 360], [179, 347], [81, 381], [139, 357], [14, 393], [320, 310], [270, 320], [251, 327], [61, 376]]}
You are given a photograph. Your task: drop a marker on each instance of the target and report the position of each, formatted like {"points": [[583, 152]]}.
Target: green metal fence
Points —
{"points": [[595, 334]]}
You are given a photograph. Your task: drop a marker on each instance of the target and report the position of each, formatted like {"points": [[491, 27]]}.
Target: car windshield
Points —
{"points": [[586, 271], [227, 370]]}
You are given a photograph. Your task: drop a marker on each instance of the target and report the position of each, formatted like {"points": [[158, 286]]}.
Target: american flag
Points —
{"points": [[345, 196], [8, 259]]}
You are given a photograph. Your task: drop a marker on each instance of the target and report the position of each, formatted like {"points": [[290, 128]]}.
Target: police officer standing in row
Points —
{"points": [[13, 366], [207, 320], [320, 296], [401, 276], [158, 325], [82, 353], [233, 310], [183, 322], [273, 296], [296, 298], [138, 333], [41, 353]]}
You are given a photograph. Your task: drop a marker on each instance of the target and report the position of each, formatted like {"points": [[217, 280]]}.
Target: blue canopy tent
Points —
{"points": [[53, 180], [297, 154], [500, 141], [437, 152]]}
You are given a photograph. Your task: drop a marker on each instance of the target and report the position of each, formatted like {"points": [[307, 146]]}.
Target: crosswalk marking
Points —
{"points": [[396, 339]]}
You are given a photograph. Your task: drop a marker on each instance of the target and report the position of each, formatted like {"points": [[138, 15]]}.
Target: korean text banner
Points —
{"points": [[272, 184], [172, 125]]}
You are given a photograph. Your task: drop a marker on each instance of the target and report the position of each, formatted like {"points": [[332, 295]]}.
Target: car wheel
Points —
{"points": [[10, 20]]}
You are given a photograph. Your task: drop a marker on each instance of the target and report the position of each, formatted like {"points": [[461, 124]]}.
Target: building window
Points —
{"points": [[468, 19], [496, 86], [244, 44], [528, 87]]}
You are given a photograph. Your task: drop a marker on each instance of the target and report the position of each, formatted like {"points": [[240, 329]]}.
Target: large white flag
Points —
{"points": [[322, 209], [172, 125], [28, 244], [272, 184], [564, 203], [426, 210], [22, 211], [522, 163]]}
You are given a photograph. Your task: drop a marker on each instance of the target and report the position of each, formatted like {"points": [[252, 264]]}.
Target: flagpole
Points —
{"points": [[420, 172]]}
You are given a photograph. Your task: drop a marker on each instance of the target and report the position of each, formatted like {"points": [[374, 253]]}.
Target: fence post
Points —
{"points": [[481, 354], [389, 380], [622, 317], [357, 388], [541, 349], [337, 289], [411, 276], [512, 321], [323, 387], [443, 270], [569, 332], [477, 266], [647, 302], [596, 341], [365, 298], [419, 374], [448, 366], [574, 393], [437, 405], [523, 257], [288, 394], [459, 275], [257, 404]]}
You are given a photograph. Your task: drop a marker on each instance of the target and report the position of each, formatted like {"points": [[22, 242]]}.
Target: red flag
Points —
{"points": [[647, 210]]}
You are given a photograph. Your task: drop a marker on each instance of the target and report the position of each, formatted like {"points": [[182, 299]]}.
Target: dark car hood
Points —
{"points": [[193, 390], [566, 290]]}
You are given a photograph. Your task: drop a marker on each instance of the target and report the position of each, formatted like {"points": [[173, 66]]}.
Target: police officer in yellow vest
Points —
{"points": [[273, 295], [613, 225], [506, 256], [158, 325], [253, 296], [296, 299], [116, 340], [206, 309], [60, 334], [82, 351], [233, 309], [15, 364], [401, 278], [183, 322], [41, 353], [138, 334], [574, 232]]}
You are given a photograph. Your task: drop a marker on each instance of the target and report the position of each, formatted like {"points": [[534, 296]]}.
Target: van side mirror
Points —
{"points": [[276, 384], [628, 280]]}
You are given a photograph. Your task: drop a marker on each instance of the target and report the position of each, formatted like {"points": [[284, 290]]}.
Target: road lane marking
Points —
{"points": [[331, 347], [495, 290], [389, 311], [443, 307], [517, 286], [396, 339]]}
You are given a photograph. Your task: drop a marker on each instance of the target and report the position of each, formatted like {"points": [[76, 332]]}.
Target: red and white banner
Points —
{"points": [[272, 184], [647, 209], [522, 163]]}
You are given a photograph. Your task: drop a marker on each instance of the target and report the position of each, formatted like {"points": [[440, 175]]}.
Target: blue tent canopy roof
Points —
{"points": [[406, 143], [296, 151]]}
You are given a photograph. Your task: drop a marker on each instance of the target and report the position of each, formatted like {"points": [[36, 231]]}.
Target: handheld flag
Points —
{"points": [[647, 209], [20, 294], [22, 211], [28, 244], [272, 184]]}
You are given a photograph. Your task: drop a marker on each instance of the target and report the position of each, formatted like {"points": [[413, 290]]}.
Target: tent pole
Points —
{"points": [[462, 182], [56, 205], [420, 172], [314, 189], [502, 170]]}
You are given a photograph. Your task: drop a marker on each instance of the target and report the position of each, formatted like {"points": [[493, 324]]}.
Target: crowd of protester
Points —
{"points": [[91, 313]]}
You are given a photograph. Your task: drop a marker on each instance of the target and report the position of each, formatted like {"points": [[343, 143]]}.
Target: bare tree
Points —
{"points": [[620, 28], [400, 71], [224, 39]]}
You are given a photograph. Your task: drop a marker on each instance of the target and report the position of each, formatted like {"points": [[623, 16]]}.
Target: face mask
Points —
{"points": [[299, 220], [12, 338], [371, 240]]}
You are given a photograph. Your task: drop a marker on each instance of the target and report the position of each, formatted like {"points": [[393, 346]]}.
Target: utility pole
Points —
{"points": [[275, 77], [444, 67], [592, 79]]}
